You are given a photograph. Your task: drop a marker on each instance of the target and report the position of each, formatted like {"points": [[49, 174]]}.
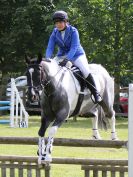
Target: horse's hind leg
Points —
{"points": [[107, 106], [113, 129], [111, 114], [95, 134]]}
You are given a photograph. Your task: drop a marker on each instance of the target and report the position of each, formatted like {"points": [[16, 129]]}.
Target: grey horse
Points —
{"points": [[60, 95]]}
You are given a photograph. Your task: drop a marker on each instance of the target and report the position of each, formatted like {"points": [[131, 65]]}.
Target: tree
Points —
{"points": [[105, 31], [23, 29], [105, 28]]}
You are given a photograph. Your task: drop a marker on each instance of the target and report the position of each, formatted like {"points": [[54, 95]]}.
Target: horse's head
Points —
{"points": [[35, 76], [39, 73]]}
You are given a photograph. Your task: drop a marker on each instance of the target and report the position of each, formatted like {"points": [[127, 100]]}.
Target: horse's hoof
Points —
{"points": [[48, 158], [46, 163], [45, 160], [96, 138], [114, 136], [39, 161], [115, 139]]}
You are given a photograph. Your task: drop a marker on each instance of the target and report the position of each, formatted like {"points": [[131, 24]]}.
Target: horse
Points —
{"points": [[59, 99]]}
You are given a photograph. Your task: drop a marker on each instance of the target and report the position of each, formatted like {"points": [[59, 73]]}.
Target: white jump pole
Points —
{"points": [[12, 107], [130, 131], [17, 120]]}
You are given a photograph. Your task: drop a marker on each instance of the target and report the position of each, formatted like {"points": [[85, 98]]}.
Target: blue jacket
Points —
{"points": [[70, 46]]}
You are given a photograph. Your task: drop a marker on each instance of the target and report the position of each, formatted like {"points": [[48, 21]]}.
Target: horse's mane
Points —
{"points": [[51, 65]]}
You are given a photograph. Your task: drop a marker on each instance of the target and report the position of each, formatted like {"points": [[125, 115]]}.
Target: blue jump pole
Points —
{"points": [[5, 102], [2, 108], [4, 121]]}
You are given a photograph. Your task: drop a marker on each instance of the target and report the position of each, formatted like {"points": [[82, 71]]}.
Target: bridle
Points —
{"points": [[43, 82], [31, 86]]}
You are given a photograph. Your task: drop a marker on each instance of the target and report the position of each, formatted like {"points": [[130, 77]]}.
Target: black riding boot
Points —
{"points": [[92, 86]]}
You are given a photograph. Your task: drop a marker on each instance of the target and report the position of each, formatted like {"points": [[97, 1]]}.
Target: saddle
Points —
{"points": [[77, 73], [79, 76]]}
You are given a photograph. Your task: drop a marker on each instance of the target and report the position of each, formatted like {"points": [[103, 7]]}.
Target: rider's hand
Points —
{"points": [[64, 62], [48, 60]]}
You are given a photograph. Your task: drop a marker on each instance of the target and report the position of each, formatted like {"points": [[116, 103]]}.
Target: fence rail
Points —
{"points": [[105, 171], [16, 166], [21, 166], [29, 164], [66, 160], [66, 142]]}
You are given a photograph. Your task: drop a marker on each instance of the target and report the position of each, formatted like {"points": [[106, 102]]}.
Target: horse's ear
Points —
{"points": [[27, 59], [39, 59]]}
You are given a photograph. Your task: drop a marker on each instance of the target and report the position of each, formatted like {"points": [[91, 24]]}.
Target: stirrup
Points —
{"points": [[98, 99]]}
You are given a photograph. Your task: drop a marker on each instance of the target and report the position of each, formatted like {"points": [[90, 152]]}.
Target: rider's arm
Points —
{"points": [[51, 46], [75, 43]]}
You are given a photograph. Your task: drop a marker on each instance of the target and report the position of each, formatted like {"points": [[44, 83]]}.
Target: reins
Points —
{"points": [[46, 83]]}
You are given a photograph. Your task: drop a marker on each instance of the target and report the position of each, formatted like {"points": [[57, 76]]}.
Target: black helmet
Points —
{"points": [[60, 16]]}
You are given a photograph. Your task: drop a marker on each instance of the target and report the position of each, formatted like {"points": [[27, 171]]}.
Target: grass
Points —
{"points": [[80, 129]]}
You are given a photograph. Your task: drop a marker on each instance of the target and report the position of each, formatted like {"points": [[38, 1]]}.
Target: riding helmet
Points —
{"points": [[60, 16]]}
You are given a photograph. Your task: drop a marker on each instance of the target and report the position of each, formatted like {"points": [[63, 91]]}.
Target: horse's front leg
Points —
{"points": [[41, 143], [49, 146], [61, 116]]}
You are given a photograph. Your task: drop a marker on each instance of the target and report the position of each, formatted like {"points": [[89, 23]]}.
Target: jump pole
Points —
{"points": [[12, 104], [130, 131], [4, 105], [15, 119]]}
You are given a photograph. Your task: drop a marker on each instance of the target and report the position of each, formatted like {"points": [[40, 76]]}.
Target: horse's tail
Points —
{"points": [[108, 97], [103, 121]]}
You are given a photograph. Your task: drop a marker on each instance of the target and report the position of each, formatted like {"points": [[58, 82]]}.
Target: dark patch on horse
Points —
{"points": [[56, 101]]}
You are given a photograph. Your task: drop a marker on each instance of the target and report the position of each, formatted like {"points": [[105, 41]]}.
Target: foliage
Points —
{"points": [[24, 30], [105, 28], [126, 79], [105, 31]]}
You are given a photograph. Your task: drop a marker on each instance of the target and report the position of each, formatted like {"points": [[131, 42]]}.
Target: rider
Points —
{"points": [[66, 37]]}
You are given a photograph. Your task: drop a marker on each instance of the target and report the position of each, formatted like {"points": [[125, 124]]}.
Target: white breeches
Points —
{"points": [[81, 62]]}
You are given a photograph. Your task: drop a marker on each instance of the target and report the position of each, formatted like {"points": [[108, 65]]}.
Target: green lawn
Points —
{"points": [[71, 129]]}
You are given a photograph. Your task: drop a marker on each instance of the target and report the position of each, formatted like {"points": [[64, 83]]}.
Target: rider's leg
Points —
{"points": [[92, 86], [82, 63]]}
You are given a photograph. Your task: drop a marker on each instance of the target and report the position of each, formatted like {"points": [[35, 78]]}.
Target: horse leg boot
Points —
{"points": [[41, 143], [92, 86], [41, 151], [49, 145]]}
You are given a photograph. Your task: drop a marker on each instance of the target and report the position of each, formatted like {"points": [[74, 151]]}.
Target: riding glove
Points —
{"points": [[63, 63]]}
